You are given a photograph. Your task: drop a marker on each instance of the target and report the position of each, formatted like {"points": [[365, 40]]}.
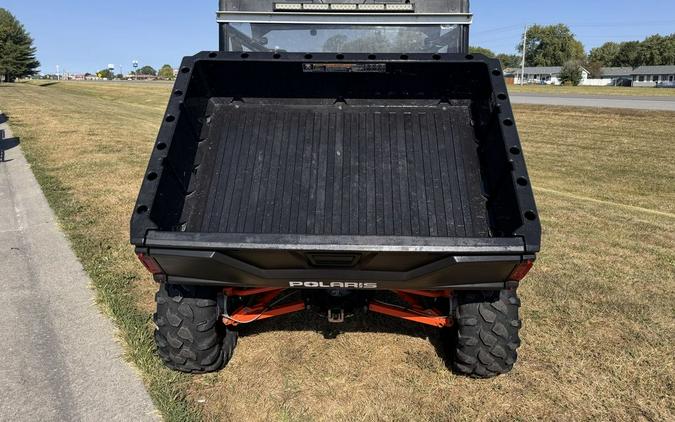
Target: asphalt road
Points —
{"points": [[604, 101], [60, 360]]}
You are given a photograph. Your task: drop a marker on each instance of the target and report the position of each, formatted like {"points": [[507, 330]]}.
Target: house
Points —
{"points": [[653, 75], [544, 75], [646, 76], [617, 75]]}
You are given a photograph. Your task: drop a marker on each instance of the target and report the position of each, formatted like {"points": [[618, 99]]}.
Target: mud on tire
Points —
{"points": [[487, 338], [189, 336]]}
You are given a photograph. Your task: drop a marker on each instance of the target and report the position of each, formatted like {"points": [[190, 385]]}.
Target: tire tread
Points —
{"points": [[187, 335], [487, 327]]}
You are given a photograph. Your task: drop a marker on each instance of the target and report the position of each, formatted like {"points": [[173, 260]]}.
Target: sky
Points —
{"points": [[85, 36]]}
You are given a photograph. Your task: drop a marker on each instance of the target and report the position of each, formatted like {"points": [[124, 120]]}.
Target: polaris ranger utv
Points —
{"points": [[331, 154]]}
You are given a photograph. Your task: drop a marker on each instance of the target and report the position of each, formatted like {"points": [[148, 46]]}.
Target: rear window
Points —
{"points": [[344, 38]]}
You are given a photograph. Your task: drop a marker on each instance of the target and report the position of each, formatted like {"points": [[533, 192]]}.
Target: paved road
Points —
{"points": [[60, 361], [608, 101]]}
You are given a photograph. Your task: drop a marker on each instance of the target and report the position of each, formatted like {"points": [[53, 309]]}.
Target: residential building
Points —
{"points": [[543, 75], [646, 76], [653, 75]]}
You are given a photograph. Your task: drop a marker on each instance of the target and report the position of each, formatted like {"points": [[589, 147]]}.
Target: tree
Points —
{"points": [[653, 51], [551, 45], [484, 51], [658, 50], [147, 70], [510, 60], [571, 73], [668, 54], [605, 54], [105, 74], [166, 72], [629, 55], [594, 68], [17, 53]]}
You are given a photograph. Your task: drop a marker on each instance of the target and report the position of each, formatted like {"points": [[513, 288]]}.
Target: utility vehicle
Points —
{"points": [[344, 156]]}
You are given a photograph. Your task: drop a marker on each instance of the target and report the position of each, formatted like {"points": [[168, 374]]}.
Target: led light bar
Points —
{"points": [[344, 7], [399, 7], [371, 7], [287, 6], [315, 6]]}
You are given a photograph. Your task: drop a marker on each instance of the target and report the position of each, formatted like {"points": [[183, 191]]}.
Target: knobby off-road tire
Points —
{"points": [[487, 328], [189, 335]]}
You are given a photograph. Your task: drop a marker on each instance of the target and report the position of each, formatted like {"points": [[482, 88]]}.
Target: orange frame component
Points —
{"points": [[261, 309], [416, 312]]}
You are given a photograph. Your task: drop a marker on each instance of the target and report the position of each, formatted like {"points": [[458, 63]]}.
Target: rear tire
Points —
{"points": [[189, 336], [487, 338]]}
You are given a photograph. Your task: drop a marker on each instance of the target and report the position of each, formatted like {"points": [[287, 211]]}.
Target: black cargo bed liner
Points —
{"points": [[267, 163], [339, 170]]}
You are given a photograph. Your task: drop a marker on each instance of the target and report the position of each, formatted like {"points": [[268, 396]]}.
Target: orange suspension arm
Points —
{"points": [[261, 309]]}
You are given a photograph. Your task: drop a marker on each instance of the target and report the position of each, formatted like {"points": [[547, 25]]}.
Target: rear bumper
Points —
{"points": [[379, 270]]}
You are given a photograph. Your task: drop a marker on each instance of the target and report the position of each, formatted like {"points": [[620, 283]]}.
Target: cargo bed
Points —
{"points": [[271, 168], [339, 170]]}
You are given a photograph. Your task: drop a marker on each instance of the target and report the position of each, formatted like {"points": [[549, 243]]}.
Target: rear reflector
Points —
{"points": [[150, 264], [521, 270]]}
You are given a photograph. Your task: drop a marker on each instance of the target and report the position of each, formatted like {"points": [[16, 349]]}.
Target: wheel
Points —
{"points": [[189, 336], [486, 331]]}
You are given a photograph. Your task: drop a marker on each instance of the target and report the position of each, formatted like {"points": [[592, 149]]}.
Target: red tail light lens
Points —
{"points": [[150, 264], [521, 270]]}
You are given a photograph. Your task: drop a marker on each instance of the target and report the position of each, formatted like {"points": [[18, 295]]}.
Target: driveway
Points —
{"points": [[604, 101], [60, 360]]}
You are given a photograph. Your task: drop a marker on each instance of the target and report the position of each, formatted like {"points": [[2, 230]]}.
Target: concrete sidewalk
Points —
{"points": [[60, 360]]}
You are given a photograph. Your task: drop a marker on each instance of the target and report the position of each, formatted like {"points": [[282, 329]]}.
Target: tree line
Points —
{"points": [[556, 45], [165, 72]]}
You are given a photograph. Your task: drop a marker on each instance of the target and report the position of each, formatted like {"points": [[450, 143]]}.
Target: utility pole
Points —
{"points": [[522, 67], [58, 75]]}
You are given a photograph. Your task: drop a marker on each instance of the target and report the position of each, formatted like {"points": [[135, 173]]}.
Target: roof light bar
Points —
{"points": [[288, 6], [315, 6], [399, 7], [344, 7], [371, 7]]}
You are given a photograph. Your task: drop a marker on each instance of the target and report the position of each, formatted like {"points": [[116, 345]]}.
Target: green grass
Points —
{"points": [[593, 90], [598, 306]]}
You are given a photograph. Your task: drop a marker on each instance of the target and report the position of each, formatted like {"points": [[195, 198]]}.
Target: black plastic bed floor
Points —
{"points": [[353, 170]]}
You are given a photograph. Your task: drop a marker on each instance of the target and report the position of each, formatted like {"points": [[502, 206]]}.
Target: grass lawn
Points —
{"points": [[599, 320], [592, 90]]}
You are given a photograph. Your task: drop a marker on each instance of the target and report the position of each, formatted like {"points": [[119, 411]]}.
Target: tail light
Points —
{"points": [[521, 270], [151, 265]]}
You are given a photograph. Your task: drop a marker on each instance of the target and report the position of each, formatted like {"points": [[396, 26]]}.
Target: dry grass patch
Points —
{"points": [[592, 90], [598, 308]]}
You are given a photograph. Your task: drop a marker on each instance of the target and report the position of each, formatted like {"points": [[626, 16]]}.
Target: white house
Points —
{"points": [[544, 75], [653, 75], [647, 76]]}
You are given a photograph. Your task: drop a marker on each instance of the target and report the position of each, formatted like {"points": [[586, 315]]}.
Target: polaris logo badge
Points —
{"points": [[333, 285]]}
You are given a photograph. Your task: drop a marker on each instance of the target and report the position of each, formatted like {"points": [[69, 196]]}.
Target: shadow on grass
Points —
{"points": [[47, 83], [443, 340]]}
